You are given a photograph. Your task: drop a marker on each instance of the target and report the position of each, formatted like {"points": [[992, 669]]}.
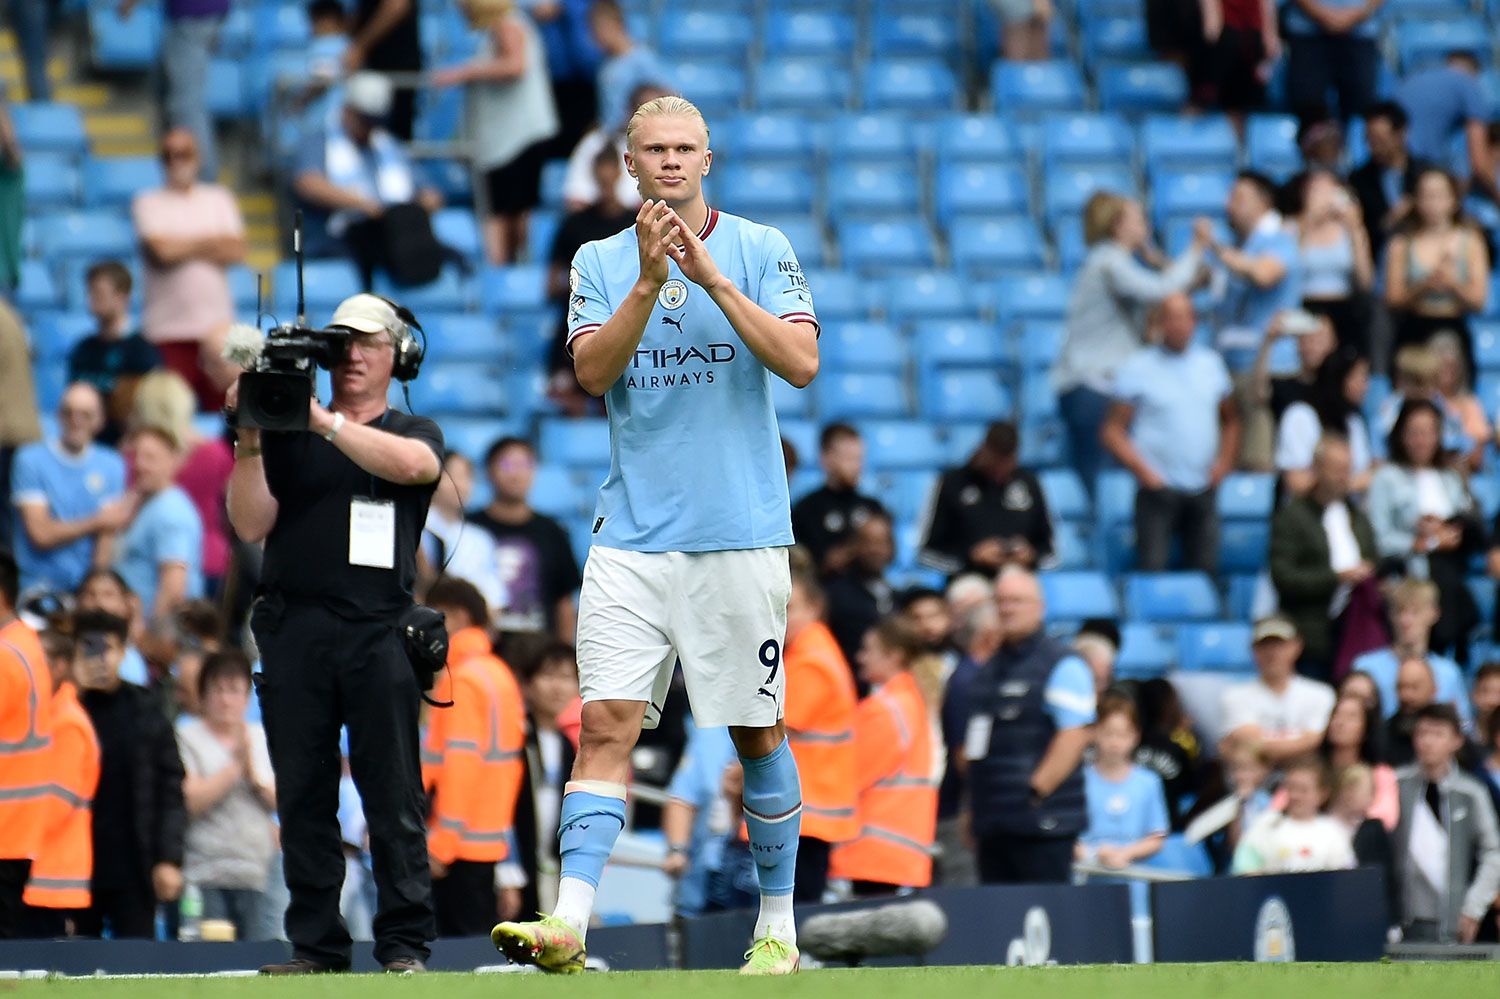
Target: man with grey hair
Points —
{"points": [[977, 633]]}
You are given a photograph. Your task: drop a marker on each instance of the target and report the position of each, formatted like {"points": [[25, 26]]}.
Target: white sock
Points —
{"points": [[575, 903], [775, 919]]}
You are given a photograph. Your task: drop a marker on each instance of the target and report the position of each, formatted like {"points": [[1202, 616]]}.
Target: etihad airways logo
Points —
{"points": [[669, 362]]}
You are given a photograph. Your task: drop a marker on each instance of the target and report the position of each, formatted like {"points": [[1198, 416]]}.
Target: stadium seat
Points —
{"points": [[790, 401], [1038, 343], [1486, 491], [236, 33], [282, 26], [861, 346], [1271, 145], [227, 95], [37, 288], [1146, 651], [1070, 547], [326, 283], [114, 181], [582, 443], [1075, 596], [927, 295], [715, 87], [1219, 645], [556, 492], [876, 247], [1482, 589], [976, 189], [243, 290], [756, 189], [805, 234], [49, 128], [1247, 495], [957, 344], [1425, 10], [1038, 296], [1189, 195], [514, 291], [1244, 545], [120, 43], [1487, 346], [50, 182], [860, 396], [965, 395], [1086, 138], [870, 192], [471, 436], [455, 183], [914, 35], [702, 33], [977, 138], [458, 228], [1066, 497], [909, 85], [878, 138], [50, 380], [465, 389], [457, 336], [1140, 87], [1240, 595], [1072, 251], [1114, 38], [95, 235], [1171, 596], [1173, 142], [782, 139], [1034, 87], [900, 444], [990, 247], [1114, 497], [813, 34], [1066, 191], [1422, 43], [799, 85]]}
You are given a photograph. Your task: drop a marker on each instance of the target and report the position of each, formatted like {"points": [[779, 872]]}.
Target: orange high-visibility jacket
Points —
{"points": [[897, 797], [820, 703], [25, 742], [473, 755], [64, 865]]}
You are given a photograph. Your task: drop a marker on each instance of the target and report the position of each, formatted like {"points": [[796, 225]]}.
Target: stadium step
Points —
{"points": [[117, 125], [86, 96]]}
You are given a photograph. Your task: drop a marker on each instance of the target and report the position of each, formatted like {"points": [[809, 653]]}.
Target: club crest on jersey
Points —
{"points": [[672, 294]]}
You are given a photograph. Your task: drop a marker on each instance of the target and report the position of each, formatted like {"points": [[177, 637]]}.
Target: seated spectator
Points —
{"points": [[1337, 266], [1284, 713], [549, 685], [1355, 790], [861, 596], [1417, 368], [1413, 605], [825, 520], [1444, 102], [694, 824], [509, 120], [1356, 737], [893, 752], [230, 793], [1229, 66], [363, 193], [627, 63], [160, 554], [1128, 819], [112, 358], [1098, 644], [1384, 183], [1331, 45], [538, 571], [1320, 139], [1322, 547], [139, 818], [1485, 697], [1106, 320], [1426, 523], [1247, 778], [69, 495], [1263, 271], [1361, 686], [582, 184], [1025, 29], [1446, 846], [1415, 689], [1315, 341], [1332, 408], [1169, 747], [1437, 271], [1459, 404], [1175, 426], [448, 549], [190, 232], [106, 590], [988, 514], [1300, 837]]}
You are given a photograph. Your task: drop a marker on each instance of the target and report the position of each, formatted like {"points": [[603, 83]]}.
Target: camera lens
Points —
{"points": [[278, 402]]}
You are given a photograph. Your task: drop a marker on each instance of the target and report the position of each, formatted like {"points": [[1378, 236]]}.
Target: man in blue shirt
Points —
{"points": [[1174, 424], [1332, 44], [69, 496], [1263, 273], [627, 63], [161, 552], [682, 322], [1446, 101]]}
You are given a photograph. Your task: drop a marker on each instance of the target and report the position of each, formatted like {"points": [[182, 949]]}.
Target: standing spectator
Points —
{"points": [[1315, 341], [1106, 321], [1228, 68], [1386, 181], [1284, 713], [1437, 271], [112, 359], [509, 119], [1128, 819], [1446, 845], [69, 496], [18, 413], [1414, 609], [550, 689], [106, 590], [449, 550], [978, 635], [1028, 723], [1461, 409], [825, 521], [31, 21], [230, 794], [580, 185], [385, 37], [1355, 737], [1337, 267], [26, 725], [1298, 838], [860, 596], [1169, 747], [1175, 426], [1025, 29], [1416, 689], [538, 570], [1332, 44], [988, 514], [160, 554], [627, 63], [1333, 408], [192, 28], [573, 61], [893, 756], [1444, 102], [190, 231], [139, 818], [1322, 546]]}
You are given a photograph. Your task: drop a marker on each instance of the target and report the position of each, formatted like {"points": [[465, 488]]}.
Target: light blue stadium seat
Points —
{"points": [[1171, 596], [1146, 651], [517, 290], [1247, 495], [1071, 248], [861, 346], [1486, 490], [1422, 43], [989, 247], [556, 492], [50, 379], [781, 138], [1070, 546], [282, 26], [804, 232], [1487, 346], [1087, 138], [836, 294], [1091, 10], [530, 337], [1038, 296], [965, 395], [1243, 545], [1271, 145], [1034, 87], [1074, 596], [1189, 194], [1038, 400], [242, 290], [94, 234], [580, 443], [860, 396], [1424, 10], [554, 173], [703, 33], [915, 34], [978, 189], [456, 184], [326, 283], [1482, 589], [799, 85], [237, 32], [927, 295], [909, 85], [457, 228], [862, 191], [49, 128], [788, 400], [957, 344], [803, 435], [471, 436], [124, 44], [977, 138], [876, 247], [227, 95], [1114, 496], [1116, 38], [1141, 87], [54, 334], [1216, 645], [873, 137], [458, 336], [816, 34], [50, 182], [1066, 191], [756, 188], [1173, 142], [716, 87], [1038, 343], [1239, 596], [905, 493], [1066, 497], [541, 232], [460, 388], [37, 288], [900, 444], [961, 440], [114, 181]]}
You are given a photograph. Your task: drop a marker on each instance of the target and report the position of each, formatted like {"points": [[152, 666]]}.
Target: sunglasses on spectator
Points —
{"points": [[179, 153]]}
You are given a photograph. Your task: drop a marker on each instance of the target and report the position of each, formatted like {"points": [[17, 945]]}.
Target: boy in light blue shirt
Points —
{"points": [[1414, 611], [1127, 804], [697, 788], [160, 555]]}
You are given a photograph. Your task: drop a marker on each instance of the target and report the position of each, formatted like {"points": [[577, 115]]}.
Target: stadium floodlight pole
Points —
{"points": [[297, 253]]}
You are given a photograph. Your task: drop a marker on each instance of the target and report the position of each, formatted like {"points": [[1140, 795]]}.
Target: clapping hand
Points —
{"points": [[656, 225], [692, 256]]}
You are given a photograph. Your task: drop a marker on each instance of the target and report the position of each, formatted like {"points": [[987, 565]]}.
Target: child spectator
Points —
{"points": [[1353, 805], [106, 590], [1169, 747], [1128, 819], [549, 685], [1299, 838], [113, 357]]}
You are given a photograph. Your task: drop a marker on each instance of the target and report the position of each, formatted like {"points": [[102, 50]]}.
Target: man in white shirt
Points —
{"points": [[449, 547], [1281, 711]]}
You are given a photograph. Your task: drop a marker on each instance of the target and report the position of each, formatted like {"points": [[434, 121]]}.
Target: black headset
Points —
{"points": [[408, 351]]}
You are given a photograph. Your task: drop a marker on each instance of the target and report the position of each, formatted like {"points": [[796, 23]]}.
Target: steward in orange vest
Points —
{"points": [[25, 749], [893, 751], [472, 766], [820, 701]]}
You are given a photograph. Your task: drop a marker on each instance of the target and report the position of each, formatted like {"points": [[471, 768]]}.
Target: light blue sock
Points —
{"points": [[586, 832], [773, 816]]}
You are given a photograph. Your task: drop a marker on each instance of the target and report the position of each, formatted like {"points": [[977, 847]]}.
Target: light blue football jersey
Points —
{"points": [[695, 452]]}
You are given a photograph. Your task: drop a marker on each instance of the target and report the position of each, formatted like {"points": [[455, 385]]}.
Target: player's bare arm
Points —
{"points": [[600, 358], [790, 349]]}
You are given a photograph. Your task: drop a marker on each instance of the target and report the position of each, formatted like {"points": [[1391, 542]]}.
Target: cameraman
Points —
{"points": [[340, 508]]}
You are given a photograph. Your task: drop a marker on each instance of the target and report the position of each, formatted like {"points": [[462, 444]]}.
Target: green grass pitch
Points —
{"points": [[1459, 980]]}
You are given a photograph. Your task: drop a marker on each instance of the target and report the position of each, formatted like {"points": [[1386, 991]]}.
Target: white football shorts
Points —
{"points": [[723, 614]]}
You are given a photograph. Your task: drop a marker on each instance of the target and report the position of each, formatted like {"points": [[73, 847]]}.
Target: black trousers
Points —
{"points": [[465, 899], [129, 913], [319, 672], [1012, 860], [812, 870], [1194, 517], [13, 877], [1346, 64]]}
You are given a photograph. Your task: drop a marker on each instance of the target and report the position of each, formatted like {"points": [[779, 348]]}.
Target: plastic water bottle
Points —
{"points": [[190, 927]]}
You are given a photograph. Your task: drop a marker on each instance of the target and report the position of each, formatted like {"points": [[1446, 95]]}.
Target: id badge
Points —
{"points": [[977, 737], [372, 533]]}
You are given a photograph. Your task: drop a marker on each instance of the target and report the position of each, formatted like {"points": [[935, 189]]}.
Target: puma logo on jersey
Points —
{"points": [[669, 321]]}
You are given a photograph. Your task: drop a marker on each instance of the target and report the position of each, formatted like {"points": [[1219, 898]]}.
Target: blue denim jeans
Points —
{"points": [[186, 46], [1083, 411]]}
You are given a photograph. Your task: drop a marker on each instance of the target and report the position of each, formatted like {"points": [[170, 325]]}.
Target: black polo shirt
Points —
{"points": [[828, 517], [971, 508]]}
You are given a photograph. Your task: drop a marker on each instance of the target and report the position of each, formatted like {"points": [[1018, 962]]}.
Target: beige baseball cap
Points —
{"points": [[1276, 626], [366, 313]]}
